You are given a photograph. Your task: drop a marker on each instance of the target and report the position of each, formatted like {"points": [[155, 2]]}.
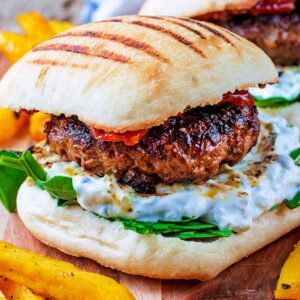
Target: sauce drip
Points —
{"points": [[239, 98]]}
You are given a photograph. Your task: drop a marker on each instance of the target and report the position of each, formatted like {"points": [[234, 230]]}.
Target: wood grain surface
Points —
{"points": [[253, 278]]}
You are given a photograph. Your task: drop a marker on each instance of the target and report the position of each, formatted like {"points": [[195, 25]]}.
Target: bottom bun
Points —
{"points": [[81, 233]]}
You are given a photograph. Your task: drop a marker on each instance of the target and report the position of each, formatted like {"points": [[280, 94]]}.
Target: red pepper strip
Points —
{"points": [[23, 119], [273, 7], [265, 7], [129, 138]]}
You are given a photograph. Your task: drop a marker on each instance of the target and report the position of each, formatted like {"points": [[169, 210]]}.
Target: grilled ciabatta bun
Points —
{"points": [[81, 233], [134, 72], [191, 8]]}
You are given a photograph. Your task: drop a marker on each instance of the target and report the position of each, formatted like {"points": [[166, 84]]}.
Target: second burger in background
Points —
{"points": [[273, 25]]}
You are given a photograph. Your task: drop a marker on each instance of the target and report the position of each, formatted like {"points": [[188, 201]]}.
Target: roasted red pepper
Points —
{"points": [[264, 7], [273, 7], [129, 138]]}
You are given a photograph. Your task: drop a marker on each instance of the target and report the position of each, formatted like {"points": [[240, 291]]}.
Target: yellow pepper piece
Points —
{"points": [[35, 26], [56, 279], [8, 124], [14, 46], [14, 291], [59, 27], [288, 286], [2, 297], [37, 123]]}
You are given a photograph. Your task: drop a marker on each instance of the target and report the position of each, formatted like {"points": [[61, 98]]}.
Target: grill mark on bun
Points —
{"points": [[55, 63], [173, 21], [126, 41], [214, 31], [162, 30], [84, 50], [233, 34]]}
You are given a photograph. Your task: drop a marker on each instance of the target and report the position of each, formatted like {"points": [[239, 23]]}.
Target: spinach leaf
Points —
{"points": [[273, 102], [10, 181], [63, 203], [15, 168], [275, 207], [205, 234], [294, 203], [295, 155], [188, 229], [286, 92], [60, 187], [179, 221]]}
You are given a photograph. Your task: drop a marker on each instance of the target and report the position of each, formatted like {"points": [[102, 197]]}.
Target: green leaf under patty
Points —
{"points": [[295, 155], [286, 92], [192, 229], [15, 168], [10, 181], [293, 203], [275, 207], [64, 203], [205, 234], [273, 102]]}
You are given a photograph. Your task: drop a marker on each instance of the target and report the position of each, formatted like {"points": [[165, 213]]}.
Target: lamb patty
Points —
{"points": [[277, 35], [189, 148]]}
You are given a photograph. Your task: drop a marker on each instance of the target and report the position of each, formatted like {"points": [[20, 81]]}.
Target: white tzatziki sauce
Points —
{"points": [[288, 88], [232, 199]]}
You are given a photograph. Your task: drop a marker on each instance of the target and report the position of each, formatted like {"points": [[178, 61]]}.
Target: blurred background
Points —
{"points": [[77, 11]]}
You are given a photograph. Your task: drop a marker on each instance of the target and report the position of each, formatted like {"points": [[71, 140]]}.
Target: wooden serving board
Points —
{"points": [[253, 278]]}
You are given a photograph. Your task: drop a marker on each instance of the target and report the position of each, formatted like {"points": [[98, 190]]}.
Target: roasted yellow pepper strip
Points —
{"points": [[8, 124], [59, 27], [14, 46], [14, 291], [35, 26], [37, 123], [2, 297], [56, 279], [288, 286]]}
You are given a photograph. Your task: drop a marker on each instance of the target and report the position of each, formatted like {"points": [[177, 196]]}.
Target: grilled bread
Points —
{"points": [[134, 72], [80, 233]]}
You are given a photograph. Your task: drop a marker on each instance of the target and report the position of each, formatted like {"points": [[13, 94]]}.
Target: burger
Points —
{"points": [[273, 25], [156, 160]]}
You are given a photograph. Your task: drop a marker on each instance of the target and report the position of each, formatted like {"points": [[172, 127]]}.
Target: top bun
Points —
{"points": [[134, 72], [192, 8]]}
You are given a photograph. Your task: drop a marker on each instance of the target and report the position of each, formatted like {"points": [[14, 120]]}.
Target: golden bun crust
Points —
{"points": [[192, 8], [290, 112], [134, 72], [80, 233]]}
